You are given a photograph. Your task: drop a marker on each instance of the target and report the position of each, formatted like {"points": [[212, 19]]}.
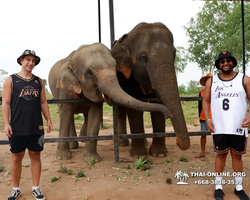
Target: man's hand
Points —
{"points": [[210, 126], [245, 123], [8, 130], [49, 126]]}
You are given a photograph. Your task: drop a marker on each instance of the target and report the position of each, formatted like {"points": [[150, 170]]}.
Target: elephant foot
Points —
{"points": [[96, 156], [63, 154], [137, 152], [157, 150], [73, 145], [123, 142]]}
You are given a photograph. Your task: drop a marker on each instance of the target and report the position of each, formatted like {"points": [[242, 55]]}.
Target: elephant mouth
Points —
{"points": [[146, 92], [107, 99]]}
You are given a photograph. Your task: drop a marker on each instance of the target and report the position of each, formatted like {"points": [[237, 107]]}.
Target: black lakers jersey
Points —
{"points": [[26, 116]]}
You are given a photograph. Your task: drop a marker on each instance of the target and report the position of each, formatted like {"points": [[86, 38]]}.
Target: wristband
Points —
{"points": [[208, 119]]}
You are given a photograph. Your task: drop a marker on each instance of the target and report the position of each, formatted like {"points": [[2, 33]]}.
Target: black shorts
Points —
{"points": [[225, 142], [20, 143]]}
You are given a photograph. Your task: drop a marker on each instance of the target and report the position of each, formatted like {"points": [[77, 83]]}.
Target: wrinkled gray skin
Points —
{"points": [[89, 72], [145, 62]]}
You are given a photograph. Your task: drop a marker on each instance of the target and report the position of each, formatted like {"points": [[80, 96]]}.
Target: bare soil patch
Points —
{"points": [[101, 181]]}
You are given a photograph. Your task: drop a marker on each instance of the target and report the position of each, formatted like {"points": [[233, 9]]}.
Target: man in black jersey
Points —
{"points": [[23, 98]]}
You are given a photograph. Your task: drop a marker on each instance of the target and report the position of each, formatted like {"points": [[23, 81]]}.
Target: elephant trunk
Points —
{"points": [[165, 83], [117, 95]]}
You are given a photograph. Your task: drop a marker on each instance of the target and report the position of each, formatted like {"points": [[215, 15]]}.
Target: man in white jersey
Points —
{"points": [[228, 92]]}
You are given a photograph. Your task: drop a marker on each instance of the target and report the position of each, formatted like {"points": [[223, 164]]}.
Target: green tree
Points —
{"points": [[193, 87], [3, 76], [180, 59], [182, 89], [45, 82], [217, 28]]}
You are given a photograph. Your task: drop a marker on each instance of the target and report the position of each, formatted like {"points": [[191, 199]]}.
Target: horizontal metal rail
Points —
{"points": [[112, 137], [152, 100]]}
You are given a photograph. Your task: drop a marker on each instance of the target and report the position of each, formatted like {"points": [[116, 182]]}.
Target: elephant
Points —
{"points": [[89, 73], [145, 69]]}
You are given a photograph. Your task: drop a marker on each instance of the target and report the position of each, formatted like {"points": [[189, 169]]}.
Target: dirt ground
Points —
{"points": [[101, 181]]}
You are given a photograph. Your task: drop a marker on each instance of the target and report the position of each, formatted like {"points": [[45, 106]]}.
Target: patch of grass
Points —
{"points": [[69, 172], [1, 168], [54, 178], [8, 172], [190, 110], [147, 172], [106, 127], [63, 169], [80, 174], [183, 159], [78, 117], [166, 161], [142, 164], [91, 161]]}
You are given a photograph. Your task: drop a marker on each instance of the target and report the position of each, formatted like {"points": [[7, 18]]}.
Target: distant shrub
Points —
{"points": [[182, 89], [78, 117]]}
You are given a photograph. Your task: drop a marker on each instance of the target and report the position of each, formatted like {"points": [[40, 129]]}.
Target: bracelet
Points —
{"points": [[208, 119]]}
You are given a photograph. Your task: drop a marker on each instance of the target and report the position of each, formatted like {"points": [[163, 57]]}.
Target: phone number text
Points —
{"points": [[214, 182]]}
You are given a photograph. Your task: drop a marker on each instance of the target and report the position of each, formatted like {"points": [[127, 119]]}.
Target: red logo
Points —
{"points": [[224, 52]]}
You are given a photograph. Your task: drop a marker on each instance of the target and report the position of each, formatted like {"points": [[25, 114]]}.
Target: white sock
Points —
{"points": [[218, 180], [16, 188], [35, 187], [238, 181]]}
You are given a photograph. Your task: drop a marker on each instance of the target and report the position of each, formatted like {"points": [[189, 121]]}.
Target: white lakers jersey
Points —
{"points": [[228, 105]]}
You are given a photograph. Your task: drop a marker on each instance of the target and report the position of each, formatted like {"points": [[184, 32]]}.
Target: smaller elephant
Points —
{"points": [[89, 72]]}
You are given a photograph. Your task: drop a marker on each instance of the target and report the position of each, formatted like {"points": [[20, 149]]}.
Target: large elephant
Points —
{"points": [[89, 72], [145, 68]]}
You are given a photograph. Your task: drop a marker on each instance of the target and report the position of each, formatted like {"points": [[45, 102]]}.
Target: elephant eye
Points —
{"points": [[145, 58], [89, 73]]}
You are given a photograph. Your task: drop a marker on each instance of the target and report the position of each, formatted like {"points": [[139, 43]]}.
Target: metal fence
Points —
{"points": [[115, 137]]}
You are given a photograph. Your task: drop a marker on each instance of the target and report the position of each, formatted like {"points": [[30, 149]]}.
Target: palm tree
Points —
{"points": [[178, 175], [185, 176]]}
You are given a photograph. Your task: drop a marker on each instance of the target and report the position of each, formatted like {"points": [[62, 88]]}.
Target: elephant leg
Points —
{"points": [[63, 150], [74, 144], [138, 147], [158, 147], [93, 126], [83, 131], [122, 126]]}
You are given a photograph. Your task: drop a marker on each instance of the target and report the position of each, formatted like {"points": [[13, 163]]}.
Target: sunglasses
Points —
{"points": [[225, 60]]}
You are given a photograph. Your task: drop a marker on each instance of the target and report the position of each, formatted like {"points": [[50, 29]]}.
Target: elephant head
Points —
{"points": [[148, 52], [90, 71]]}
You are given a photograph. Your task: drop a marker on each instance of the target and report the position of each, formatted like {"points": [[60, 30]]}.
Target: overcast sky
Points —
{"points": [[54, 28]]}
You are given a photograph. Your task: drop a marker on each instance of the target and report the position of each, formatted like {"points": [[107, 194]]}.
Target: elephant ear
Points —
{"points": [[121, 54], [67, 80]]}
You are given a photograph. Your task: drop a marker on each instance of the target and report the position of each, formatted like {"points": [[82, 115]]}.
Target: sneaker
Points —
{"points": [[219, 194], [14, 195], [37, 193], [241, 194]]}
